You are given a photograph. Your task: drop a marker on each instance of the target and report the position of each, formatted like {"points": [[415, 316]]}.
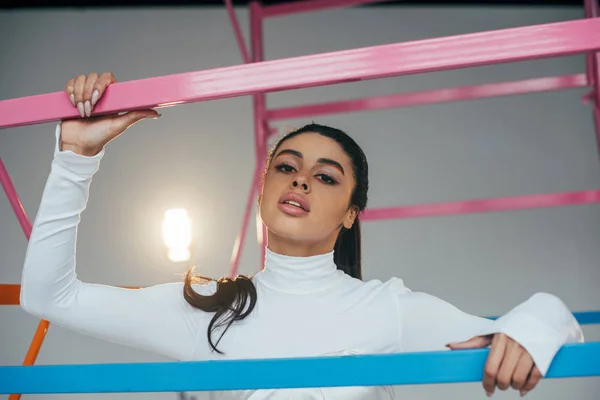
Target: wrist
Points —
{"points": [[86, 152]]}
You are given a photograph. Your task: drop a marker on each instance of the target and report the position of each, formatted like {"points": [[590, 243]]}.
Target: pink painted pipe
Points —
{"points": [[237, 31], [241, 237], [484, 205], [431, 97], [261, 127], [295, 7], [14, 200], [461, 51]]}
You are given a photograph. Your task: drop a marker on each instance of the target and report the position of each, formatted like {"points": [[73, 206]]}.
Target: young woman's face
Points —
{"points": [[306, 195]]}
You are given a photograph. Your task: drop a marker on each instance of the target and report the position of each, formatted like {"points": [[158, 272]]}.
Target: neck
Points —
{"points": [[297, 248], [298, 274]]}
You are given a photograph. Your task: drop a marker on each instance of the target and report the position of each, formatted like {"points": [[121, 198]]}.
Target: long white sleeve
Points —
{"points": [[542, 324], [156, 318]]}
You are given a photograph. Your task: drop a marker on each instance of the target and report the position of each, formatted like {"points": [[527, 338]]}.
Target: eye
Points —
{"points": [[283, 167], [327, 179]]}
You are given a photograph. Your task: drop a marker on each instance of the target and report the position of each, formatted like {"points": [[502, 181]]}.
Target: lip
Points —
{"points": [[298, 198]]}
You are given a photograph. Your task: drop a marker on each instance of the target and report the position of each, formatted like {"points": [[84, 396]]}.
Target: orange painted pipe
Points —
{"points": [[34, 349], [9, 294]]}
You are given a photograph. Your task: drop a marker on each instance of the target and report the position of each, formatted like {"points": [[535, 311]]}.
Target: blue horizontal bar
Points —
{"points": [[583, 317], [574, 360], [588, 317]]}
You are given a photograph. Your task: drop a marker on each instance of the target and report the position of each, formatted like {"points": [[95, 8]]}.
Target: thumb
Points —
{"points": [[476, 342], [122, 122]]}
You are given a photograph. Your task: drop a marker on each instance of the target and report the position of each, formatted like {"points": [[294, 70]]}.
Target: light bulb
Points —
{"points": [[177, 234]]}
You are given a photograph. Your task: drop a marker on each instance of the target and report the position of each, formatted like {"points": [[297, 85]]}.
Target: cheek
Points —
{"points": [[331, 204], [272, 187]]}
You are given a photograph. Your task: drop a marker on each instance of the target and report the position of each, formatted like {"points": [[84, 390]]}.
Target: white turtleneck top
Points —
{"points": [[306, 307]]}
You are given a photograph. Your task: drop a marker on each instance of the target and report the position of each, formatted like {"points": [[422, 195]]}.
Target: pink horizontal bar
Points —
{"points": [[507, 45], [432, 96], [484, 205], [278, 10]]}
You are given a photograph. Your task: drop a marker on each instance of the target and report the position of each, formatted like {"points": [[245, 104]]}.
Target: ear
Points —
{"points": [[350, 217]]}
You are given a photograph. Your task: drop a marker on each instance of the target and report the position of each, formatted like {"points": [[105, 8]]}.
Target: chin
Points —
{"points": [[287, 226]]}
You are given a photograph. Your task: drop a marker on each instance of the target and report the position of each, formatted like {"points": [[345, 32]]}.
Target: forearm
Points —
{"points": [[542, 324], [49, 281], [155, 318]]}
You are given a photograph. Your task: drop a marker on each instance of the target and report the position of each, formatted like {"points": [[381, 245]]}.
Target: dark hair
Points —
{"points": [[235, 298]]}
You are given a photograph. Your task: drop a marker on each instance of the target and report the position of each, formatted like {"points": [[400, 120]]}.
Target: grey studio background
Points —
{"points": [[200, 157]]}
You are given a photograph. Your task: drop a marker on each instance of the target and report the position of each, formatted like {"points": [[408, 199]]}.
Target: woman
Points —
{"points": [[309, 300]]}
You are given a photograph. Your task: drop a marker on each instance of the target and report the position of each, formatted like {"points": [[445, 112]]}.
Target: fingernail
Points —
{"points": [[72, 97], [489, 394], [95, 97], [88, 108], [523, 393], [80, 108]]}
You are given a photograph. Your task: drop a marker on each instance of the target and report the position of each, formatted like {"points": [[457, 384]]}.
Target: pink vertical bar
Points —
{"points": [[596, 116], [237, 31], [593, 72], [259, 112], [241, 238], [14, 200], [589, 58], [259, 108]]}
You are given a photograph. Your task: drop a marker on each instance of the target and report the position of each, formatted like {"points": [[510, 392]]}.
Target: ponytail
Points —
{"points": [[233, 301], [235, 298], [347, 255]]}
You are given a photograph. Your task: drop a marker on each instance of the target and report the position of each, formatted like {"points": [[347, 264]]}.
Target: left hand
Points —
{"points": [[508, 363]]}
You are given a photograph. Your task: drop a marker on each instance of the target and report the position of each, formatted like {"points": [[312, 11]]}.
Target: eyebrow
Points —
{"points": [[320, 160]]}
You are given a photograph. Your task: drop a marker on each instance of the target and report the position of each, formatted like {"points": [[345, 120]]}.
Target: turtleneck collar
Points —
{"points": [[298, 274]]}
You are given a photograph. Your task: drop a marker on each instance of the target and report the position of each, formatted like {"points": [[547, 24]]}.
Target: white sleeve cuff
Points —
{"points": [[540, 340], [542, 325], [81, 165]]}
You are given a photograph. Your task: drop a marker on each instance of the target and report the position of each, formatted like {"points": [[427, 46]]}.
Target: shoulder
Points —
{"points": [[394, 286], [391, 288]]}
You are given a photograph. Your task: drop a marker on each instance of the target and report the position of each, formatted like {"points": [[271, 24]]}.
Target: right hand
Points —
{"points": [[88, 135]]}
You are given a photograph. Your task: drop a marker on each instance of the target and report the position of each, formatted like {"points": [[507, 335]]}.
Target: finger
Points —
{"points": [[87, 93], [122, 122], [102, 83], [70, 89], [473, 343], [493, 363], [511, 359], [534, 378], [78, 92], [522, 371]]}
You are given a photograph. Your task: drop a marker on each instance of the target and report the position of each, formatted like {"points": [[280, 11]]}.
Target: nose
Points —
{"points": [[300, 183]]}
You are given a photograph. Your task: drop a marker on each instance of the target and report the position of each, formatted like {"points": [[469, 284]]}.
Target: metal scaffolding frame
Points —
{"points": [[257, 77]]}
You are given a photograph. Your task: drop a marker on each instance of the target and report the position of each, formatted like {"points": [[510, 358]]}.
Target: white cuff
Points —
{"points": [[77, 163], [540, 340]]}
